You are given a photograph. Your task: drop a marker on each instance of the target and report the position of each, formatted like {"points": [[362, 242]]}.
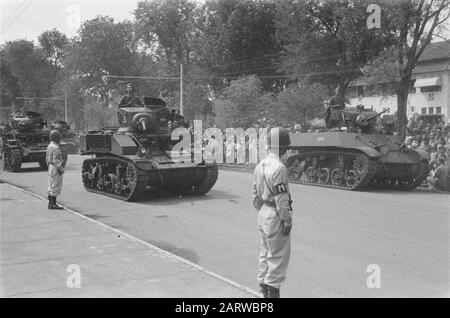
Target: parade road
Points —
{"points": [[364, 244]]}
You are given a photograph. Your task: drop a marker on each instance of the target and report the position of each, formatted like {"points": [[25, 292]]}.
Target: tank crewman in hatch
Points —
{"points": [[272, 199], [56, 162], [129, 100]]}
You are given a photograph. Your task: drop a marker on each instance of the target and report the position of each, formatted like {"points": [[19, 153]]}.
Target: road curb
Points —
{"points": [[169, 255]]}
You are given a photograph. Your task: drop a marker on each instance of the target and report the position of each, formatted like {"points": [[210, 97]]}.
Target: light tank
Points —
{"points": [[25, 140], [139, 155], [353, 154]]}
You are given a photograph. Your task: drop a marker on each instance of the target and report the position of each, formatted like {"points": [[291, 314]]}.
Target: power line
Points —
{"points": [[279, 76], [143, 77], [300, 63]]}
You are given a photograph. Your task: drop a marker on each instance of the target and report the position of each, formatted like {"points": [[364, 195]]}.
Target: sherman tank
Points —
{"points": [[141, 154], [25, 140], [353, 154]]}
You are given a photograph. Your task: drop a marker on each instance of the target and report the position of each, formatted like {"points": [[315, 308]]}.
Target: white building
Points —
{"points": [[429, 94]]}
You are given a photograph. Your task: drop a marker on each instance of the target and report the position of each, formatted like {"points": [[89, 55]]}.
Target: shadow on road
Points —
{"points": [[163, 197]]}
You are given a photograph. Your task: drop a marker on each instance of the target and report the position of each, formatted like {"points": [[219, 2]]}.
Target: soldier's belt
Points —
{"points": [[269, 203]]}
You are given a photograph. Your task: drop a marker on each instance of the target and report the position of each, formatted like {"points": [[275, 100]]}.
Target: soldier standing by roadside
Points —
{"points": [[272, 199], [56, 164]]}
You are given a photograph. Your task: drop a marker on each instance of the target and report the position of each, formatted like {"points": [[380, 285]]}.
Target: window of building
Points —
{"points": [[438, 110], [427, 89], [431, 96], [424, 110], [412, 109], [430, 110]]}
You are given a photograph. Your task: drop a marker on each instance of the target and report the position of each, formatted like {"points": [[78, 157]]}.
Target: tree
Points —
{"points": [[299, 104], [412, 23], [239, 104], [170, 25], [54, 45], [326, 41], [238, 40], [102, 47], [25, 72]]}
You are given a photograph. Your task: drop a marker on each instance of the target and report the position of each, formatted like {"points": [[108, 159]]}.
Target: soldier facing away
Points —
{"points": [[272, 199]]}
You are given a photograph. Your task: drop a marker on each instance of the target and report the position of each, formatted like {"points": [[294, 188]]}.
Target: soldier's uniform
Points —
{"points": [[129, 101], [272, 199], [56, 163]]}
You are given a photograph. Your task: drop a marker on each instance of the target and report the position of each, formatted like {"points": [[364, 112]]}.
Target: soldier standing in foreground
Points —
{"points": [[272, 199], [56, 163]]}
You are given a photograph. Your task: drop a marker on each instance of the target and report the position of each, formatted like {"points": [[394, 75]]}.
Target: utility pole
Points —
{"points": [[181, 90], [65, 107]]}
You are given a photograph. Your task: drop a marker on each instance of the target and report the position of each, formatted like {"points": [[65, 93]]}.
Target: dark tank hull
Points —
{"points": [[354, 161], [122, 172]]}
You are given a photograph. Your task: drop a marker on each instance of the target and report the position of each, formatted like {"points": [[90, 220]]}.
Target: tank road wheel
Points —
{"points": [[337, 177], [207, 182], [134, 183], [295, 168], [13, 160], [324, 176], [110, 182], [127, 183], [351, 179], [130, 180], [88, 175], [311, 174]]}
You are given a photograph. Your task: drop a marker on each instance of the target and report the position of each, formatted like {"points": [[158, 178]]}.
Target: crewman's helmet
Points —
{"points": [[130, 88], [55, 136], [278, 139]]}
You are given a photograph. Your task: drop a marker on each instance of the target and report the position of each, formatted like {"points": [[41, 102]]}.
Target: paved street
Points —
{"points": [[336, 236]]}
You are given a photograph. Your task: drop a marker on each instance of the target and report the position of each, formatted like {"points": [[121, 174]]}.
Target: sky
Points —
{"points": [[27, 19]]}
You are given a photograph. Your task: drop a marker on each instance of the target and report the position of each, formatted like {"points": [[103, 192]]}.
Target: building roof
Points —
{"points": [[435, 58], [436, 51]]}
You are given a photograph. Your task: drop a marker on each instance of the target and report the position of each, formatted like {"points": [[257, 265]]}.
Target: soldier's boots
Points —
{"points": [[52, 203], [273, 292], [264, 291]]}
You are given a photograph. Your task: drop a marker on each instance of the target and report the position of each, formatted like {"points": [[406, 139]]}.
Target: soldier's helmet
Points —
{"points": [[130, 88], [278, 137], [55, 136]]}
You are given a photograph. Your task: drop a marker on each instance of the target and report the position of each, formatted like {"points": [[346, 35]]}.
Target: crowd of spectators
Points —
{"points": [[435, 140]]}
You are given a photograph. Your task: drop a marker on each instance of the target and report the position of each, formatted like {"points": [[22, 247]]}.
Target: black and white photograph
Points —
{"points": [[215, 153]]}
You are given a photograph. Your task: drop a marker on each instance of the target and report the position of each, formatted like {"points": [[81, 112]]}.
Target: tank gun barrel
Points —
{"points": [[374, 115]]}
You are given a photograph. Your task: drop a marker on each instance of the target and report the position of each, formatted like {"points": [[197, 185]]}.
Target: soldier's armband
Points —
{"points": [[280, 188]]}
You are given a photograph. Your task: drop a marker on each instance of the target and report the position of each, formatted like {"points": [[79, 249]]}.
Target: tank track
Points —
{"points": [[115, 177], [403, 184], [348, 170], [13, 160]]}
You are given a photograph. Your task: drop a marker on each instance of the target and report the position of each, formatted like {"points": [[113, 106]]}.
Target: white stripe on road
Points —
{"points": [[151, 246]]}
